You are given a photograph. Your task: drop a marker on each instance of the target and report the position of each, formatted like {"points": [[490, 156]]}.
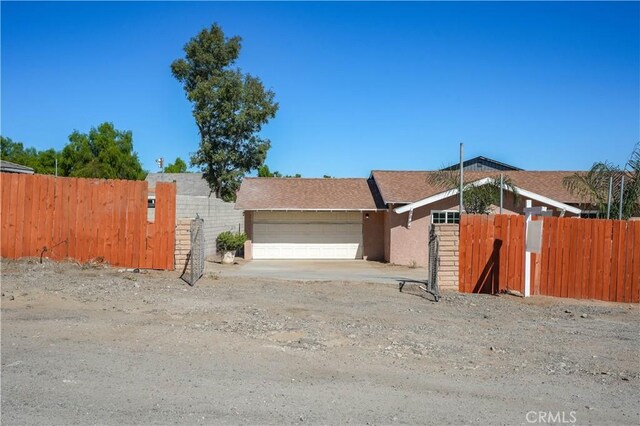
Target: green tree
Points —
{"points": [[593, 186], [178, 166], [229, 108], [263, 171], [102, 153], [43, 162], [477, 199]]}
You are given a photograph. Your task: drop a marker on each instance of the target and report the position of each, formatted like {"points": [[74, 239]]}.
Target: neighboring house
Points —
{"points": [[386, 217], [483, 164], [9, 167], [194, 197]]}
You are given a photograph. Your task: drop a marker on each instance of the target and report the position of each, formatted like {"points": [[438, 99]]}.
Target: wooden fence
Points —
{"points": [[85, 219], [580, 258]]}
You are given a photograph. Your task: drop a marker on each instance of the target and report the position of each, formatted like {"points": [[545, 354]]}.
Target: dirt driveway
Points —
{"points": [[94, 345]]}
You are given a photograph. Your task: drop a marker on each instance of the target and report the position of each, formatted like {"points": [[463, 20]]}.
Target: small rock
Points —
{"points": [[12, 298], [302, 418], [566, 311], [491, 348], [583, 316]]}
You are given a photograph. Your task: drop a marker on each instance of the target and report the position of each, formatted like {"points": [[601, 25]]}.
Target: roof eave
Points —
{"points": [[526, 193]]}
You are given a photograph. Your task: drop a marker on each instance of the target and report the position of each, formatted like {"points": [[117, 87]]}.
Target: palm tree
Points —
{"points": [[477, 199], [593, 186]]}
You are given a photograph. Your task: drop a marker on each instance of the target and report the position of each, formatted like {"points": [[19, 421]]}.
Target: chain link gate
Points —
{"points": [[195, 261], [434, 262], [431, 283]]}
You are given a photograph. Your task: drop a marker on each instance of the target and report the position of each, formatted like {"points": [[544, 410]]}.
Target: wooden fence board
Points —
{"points": [[9, 247], [628, 266], [85, 219], [635, 276], [462, 251], [579, 258], [593, 260], [619, 267], [469, 255]]}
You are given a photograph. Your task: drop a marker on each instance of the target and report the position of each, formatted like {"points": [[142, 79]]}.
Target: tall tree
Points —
{"points": [[593, 186], [476, 199], [229, 107], [178, 166], [102, 153]]}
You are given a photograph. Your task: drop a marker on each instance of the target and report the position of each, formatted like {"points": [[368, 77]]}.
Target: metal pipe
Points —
{"points": [[501, 194], [621, 198], [461, 180], [609, 198]]}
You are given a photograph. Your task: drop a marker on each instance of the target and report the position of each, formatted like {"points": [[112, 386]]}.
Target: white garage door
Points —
{"points": [[307, 235]]}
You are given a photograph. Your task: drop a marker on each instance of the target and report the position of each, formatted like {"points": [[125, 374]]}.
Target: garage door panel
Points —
{"points": [[308, 233], [299, 235], [307, 251]]}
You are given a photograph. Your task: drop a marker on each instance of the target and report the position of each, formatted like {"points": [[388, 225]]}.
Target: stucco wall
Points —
{"points": [[408, 246], [373, 236]]}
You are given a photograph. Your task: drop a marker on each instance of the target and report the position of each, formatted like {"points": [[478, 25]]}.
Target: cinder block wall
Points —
{"points": [[218, 216], [449, 235], [183, 243]]}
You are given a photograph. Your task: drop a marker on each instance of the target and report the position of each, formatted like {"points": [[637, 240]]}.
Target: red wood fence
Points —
{"points": [[85, 219], [580, 258]]}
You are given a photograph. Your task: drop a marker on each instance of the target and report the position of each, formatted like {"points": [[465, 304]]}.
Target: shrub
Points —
{"points": [[230, 241]]}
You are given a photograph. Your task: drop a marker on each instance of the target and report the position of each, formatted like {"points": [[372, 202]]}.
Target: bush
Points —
{"points": [[230, 241]]}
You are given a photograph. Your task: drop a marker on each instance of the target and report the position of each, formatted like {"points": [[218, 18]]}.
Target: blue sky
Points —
{"points": [[361, 86]]}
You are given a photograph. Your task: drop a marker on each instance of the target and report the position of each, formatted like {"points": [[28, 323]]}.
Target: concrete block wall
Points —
{"points": [[449, 235], [183, 243], [218, 216]]}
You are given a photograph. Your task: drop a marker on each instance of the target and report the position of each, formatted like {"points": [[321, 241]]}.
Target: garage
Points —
{"points": [[307, 235]]}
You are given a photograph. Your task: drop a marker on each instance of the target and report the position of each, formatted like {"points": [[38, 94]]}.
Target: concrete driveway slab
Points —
{"points": [[321, 270]]}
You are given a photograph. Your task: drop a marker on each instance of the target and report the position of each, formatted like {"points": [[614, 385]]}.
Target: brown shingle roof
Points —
{"points": [[407, 187], [305, 194]]}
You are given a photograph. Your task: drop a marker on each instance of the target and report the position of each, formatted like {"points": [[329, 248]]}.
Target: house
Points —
{"points": [[194, 197], [386, 217], [9, 167]]}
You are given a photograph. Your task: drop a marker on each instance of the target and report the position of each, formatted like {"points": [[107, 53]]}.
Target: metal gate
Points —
{"points": [[430, 285], [195, 260], [434, 262]]}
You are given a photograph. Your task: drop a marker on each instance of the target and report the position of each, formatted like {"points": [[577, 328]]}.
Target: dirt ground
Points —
{"points": [[84, 345]]}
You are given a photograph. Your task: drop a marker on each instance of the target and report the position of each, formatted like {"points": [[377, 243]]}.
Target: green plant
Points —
{"points": [[230, 241]]}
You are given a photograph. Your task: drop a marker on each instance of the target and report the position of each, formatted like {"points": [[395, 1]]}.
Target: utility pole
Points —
{"points": [[501, 193], [621, 198], [461, 180], [160, 162], [609, 198]]}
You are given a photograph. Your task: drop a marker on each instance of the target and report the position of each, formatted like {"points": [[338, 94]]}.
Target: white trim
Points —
{"points": [[523, 192], [549, 201], [437, 197]]}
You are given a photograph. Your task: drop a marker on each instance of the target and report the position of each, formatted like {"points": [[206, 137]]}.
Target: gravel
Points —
{"points": [[92, 344]]}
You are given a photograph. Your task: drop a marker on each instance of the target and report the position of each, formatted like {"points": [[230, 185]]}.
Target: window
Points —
{"points": [[445, 216]]}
